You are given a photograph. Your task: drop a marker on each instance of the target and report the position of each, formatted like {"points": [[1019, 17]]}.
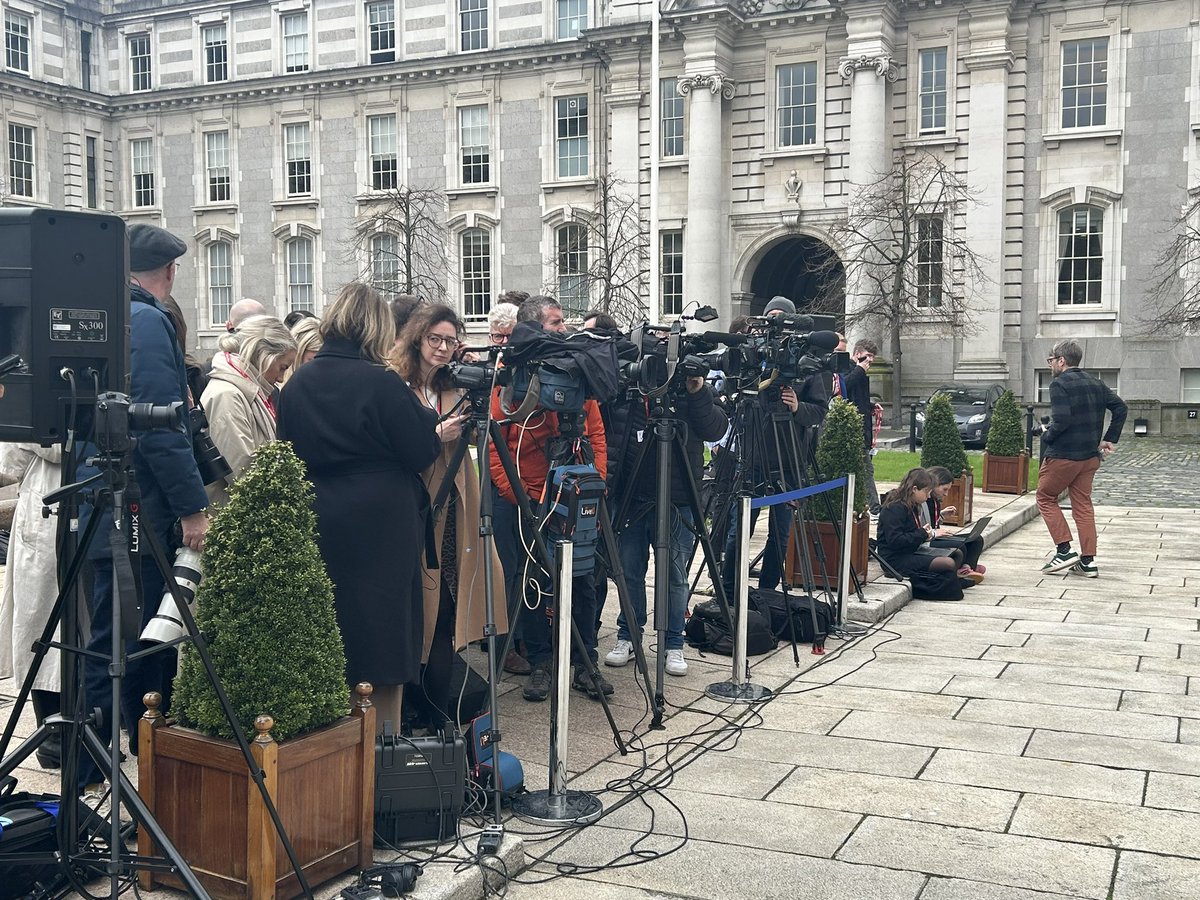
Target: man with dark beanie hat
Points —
{"points": [[171, 487], [780, 304]]}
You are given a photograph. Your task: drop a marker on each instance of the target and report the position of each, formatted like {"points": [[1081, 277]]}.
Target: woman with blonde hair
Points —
{"points": [[366, 438], [453, 592], [251, 361], [307, 333]]}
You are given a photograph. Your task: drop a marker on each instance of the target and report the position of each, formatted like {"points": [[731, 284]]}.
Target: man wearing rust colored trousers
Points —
{"points": [[1074, 449]]}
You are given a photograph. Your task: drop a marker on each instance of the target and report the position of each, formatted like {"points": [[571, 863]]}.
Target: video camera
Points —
{"points": [[666, 356]]}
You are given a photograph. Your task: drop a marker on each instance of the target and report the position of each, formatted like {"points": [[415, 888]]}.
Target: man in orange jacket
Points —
{"points": [[529, 441]]}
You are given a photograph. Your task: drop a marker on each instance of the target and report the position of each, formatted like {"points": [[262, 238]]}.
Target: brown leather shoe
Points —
{"points": [[516, 664]]}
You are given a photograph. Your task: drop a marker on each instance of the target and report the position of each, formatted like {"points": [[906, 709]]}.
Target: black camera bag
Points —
{"points": [[708, 630]]}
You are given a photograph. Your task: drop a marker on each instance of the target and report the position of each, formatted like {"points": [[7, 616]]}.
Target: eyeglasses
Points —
{"points": [[438, 341], [1051, 359], [500, 337]]}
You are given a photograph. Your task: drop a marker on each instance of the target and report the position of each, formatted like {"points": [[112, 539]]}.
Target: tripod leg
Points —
{"points": [[618, 577]]}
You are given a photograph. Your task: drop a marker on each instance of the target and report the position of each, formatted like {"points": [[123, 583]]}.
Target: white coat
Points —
{"points": [[239, 419], [31, 570]]}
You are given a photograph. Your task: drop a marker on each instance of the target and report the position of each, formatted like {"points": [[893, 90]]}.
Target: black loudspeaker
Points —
{"points": [[64, 309]]}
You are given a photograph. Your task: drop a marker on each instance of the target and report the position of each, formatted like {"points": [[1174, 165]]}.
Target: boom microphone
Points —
{"points": [[824, 340], [722, 337]]}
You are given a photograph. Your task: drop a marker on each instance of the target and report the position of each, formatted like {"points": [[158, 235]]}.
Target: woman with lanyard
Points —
{"points": [[454, 592], [903, 541], [239, 400]]}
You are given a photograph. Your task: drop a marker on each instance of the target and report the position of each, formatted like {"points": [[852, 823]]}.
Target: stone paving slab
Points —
{"points": [[958, 889], [1141, 876], [1167, 791], [898, 798], [1036, 776], [929, 731], [1109, 825], [1033, 692], [1004, 859], [1062, 718], [1040, 656], [1123, 753]]}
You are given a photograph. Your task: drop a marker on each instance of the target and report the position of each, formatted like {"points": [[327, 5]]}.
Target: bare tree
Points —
{"points": [[399, 244], [905, 260], [1176, 276], [601, 258]]}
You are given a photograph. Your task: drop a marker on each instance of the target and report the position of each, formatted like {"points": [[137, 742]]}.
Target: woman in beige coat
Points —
{"points": [[238, 399], [455, 613]]}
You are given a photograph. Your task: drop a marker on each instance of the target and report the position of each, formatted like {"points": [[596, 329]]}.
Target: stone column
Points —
{"points": [[870, 158], [989, 61], [705, 238]]}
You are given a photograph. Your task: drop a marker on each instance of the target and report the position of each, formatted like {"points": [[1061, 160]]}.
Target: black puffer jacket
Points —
{"points": [[702, 420]]}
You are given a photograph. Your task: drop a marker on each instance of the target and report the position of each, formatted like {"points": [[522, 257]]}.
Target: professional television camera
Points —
{"points": [[666, 355]]}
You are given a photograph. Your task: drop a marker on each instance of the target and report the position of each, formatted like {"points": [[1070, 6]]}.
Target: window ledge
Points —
{"points": [[148, 212], [1063, 314], [1196, 128], [568, 183], [474, 190], [817, 153], [298, 202], [947, 142], [225, 207], [1109, 135], [17, 200]]}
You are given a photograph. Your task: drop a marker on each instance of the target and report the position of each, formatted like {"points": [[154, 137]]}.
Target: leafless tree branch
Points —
{"points": [[417, 262]]}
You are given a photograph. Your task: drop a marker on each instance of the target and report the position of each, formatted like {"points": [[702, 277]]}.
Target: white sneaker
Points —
{"points": [[676, 664], [620, 654]]}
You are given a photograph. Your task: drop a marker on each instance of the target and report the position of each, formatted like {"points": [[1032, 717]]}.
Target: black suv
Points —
{"points": [[973, 404]]}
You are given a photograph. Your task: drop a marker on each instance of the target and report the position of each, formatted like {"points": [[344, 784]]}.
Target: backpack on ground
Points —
{"points": [[804, 610], [936, 585], [708, 630]]}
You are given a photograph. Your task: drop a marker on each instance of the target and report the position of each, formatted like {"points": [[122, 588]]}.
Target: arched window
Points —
{"points": [[475, 258], [220, 281], [571, 243], [1080, 255], [300, 287], [385, 264]]}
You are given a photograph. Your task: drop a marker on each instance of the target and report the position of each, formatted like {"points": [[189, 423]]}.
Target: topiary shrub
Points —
{"points": [[266, 607], [942, 444], [840, 452], [1006, 436]]}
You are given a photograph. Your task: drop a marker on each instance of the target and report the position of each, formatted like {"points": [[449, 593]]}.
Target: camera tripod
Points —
{"points": [[670, 443], [771, 458], [116, 501]]}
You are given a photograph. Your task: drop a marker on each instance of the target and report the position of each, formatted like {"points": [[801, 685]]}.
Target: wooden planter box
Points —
{"points": [[962, 491], [831, 544], [1005, 474], [198, 788]]}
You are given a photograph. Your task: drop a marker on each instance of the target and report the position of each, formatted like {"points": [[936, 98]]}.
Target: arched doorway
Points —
{"points": [[804, 269]]}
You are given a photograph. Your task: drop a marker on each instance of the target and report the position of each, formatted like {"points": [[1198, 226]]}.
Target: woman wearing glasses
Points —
{"points": [[365, 438], [454, 592]]}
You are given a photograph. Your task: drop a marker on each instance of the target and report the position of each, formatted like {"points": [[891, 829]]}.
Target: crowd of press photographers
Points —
{"points": [[367, 397]]}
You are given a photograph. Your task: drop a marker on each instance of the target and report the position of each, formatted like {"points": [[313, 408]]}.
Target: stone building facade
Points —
{"points": [[266, 132]]}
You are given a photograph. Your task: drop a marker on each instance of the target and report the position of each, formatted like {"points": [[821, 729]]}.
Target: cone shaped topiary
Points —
{"points": [[266, 607], [942, 444], [841, 451], [1006, 437]]}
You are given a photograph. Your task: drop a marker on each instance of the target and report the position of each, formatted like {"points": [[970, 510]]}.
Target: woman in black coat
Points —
{"points": [[900, 535], [366, 439]]}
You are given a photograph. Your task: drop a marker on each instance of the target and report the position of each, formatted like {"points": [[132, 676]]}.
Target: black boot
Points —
{"points": [[47, 703]]}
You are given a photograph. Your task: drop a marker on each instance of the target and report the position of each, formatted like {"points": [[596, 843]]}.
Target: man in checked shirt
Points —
{"points": [[1074, 450]]}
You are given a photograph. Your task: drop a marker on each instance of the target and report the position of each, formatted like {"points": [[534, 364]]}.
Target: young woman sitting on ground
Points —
{"points": [[931, 515], [901, 537]]}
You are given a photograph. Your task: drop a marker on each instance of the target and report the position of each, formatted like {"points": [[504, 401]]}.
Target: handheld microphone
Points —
{"points": [[824, 340]]}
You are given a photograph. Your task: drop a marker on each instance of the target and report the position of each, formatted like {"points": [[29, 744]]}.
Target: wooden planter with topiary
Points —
{"points": [[266, 608], [840, 452], [942, 445], [1005, 461]]}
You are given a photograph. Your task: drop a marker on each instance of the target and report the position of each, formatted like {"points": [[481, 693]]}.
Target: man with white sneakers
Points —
{"points": [[1072, 452], [700, 419]]}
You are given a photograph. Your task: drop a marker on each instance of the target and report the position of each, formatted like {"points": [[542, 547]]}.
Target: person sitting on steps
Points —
{"points": [[903, 539], [931, 515]]}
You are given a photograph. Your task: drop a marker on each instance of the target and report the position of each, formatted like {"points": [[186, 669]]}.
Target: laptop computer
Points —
{"points": [[975, 530]]}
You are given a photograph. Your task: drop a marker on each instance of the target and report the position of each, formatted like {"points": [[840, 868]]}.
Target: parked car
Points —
{"points": [[973, 404]]}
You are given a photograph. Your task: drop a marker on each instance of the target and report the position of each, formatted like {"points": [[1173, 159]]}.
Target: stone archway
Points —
{"points": [[804, 269]]}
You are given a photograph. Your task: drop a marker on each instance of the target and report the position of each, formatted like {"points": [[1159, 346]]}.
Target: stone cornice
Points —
{"points": [[311, 83], [989, 59]]}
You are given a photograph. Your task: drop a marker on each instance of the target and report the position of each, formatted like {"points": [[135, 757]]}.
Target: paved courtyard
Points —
{"points": [[1040, 739], [1151, 470]]}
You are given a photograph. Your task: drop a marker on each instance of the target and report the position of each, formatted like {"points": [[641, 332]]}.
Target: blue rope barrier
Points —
{"points": [[776, 499]]}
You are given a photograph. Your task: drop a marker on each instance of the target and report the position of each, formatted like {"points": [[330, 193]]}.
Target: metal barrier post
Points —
{"points": [[558, 805], [847, 543], [912, 428], [739, 689]]}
